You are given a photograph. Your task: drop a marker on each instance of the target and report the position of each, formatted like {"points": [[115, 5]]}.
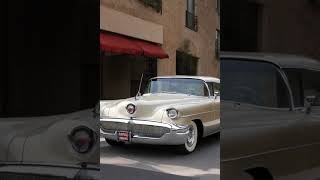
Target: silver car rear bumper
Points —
{"points": [[167, 134]]}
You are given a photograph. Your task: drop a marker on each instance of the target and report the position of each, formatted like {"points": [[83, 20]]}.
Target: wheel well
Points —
{"points": [[200, 126], [260, 173]]}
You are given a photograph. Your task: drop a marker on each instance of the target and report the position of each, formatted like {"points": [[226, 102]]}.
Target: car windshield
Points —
{"points": [[177, 85]]}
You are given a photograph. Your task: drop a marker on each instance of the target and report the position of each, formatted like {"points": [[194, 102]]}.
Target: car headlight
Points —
{"points": [[82, 139], [172, 113]]}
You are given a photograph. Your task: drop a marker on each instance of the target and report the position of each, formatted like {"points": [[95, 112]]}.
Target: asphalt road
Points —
{"points": [[160, 162]]}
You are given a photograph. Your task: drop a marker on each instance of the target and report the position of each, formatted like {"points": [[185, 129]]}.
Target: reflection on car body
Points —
{"points": [[50, 147], [174, 110], [270, 111]]}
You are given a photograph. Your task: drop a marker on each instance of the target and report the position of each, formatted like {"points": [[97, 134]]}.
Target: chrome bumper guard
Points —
{"points": [[175, 134]]}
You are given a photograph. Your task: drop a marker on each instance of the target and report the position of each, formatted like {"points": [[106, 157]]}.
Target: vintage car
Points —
{"points": [[174, 110], [50, 147], [271, 117]]}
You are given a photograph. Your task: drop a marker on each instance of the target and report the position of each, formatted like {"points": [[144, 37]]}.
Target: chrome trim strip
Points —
{"points": [[196, 114], [269, 152], [141, 122]]}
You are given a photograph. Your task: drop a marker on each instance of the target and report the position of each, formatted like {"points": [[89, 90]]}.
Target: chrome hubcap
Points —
{"points": [[191, 137]]}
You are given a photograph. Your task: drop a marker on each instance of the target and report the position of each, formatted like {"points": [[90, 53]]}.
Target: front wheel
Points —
{"points": [[192, 141], [114, 143]]}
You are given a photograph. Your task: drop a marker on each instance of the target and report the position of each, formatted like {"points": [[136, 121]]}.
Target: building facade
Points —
{"points": [[287, 26], [187, 30]]}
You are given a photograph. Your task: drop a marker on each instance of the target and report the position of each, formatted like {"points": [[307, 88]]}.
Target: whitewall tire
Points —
{"points": [[192, 141]]}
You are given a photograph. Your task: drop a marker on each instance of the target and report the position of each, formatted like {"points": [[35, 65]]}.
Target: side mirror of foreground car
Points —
{"points": [[309, 102]]}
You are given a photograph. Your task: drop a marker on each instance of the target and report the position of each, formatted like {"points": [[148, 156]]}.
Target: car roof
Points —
{"points": [[204, 78], [281, 60]]}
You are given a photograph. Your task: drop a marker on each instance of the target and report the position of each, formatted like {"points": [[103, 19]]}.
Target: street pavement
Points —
{"points": [[160, 162]]}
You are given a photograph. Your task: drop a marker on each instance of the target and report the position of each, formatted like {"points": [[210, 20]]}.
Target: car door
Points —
{"points": [[213, 125], [258, 121], [310, 91]]}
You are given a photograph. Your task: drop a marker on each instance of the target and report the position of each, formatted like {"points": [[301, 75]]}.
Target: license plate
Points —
{"points": [[124, 135]]}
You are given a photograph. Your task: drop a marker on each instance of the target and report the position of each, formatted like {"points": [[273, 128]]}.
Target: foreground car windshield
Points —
{"points": [[184, 86]]}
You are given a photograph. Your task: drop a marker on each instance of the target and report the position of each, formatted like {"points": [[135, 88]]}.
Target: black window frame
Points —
{"points": [[191, 18], [186, 64]]}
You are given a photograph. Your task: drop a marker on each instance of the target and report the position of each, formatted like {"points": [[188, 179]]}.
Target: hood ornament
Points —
{"points": [[138, 95]]}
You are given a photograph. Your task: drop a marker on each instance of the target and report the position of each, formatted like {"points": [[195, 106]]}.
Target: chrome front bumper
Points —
{"points": [[164, 134]]}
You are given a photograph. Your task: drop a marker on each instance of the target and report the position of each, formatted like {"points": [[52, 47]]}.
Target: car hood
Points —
{"points": [[41, 140], [148, 106]]}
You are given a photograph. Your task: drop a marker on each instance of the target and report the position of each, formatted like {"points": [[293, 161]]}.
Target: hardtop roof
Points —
{"points": [[204, 78], [281, 60]]}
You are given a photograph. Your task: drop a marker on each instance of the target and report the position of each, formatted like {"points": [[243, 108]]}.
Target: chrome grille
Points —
{"points": [[136, 129], [13, 176], [149, 131], [114, 126]]}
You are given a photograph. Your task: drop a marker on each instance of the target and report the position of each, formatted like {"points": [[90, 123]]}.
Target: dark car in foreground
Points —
{"points": [[270, 106]]}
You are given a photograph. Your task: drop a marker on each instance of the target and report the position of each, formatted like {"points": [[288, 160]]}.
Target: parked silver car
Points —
{"points": [[271, 117]]}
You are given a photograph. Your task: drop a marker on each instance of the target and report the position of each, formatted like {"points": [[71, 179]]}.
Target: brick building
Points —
{"points": [[186, 30]]}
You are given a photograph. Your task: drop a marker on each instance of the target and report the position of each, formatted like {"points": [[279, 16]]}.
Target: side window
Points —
{"points": [[253, 82], [216, 87], [191, 18], [210, 85], [311, 85], [295, 80], [304, 84], [213, 87]]}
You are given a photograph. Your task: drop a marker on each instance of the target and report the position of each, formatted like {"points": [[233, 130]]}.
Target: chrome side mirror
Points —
{"points": [[309, 101], [216, 94]]}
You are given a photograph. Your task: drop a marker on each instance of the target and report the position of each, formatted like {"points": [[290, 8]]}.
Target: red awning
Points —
{"points": [[152, 50], [118, 44], [122, 45]]}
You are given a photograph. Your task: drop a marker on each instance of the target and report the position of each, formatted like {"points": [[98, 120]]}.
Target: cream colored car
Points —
{"points": [[174, 110]]}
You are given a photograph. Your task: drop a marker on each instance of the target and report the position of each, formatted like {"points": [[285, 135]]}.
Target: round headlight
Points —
{"points": [[172, 113], [82, 139], [131, 108]]}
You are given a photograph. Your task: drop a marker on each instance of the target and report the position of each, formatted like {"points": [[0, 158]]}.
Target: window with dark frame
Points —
{"points": [[186, 64], [191, 18], [155, 4]]}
